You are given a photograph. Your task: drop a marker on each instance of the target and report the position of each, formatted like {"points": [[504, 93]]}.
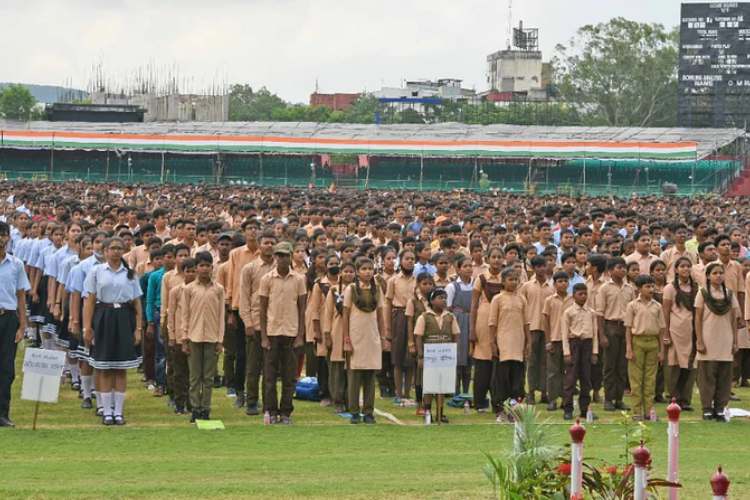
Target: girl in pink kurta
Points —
{"points": [[678, 303], [333, 335], [509, 322], [364, 335], [717, 316], [486, 286]]}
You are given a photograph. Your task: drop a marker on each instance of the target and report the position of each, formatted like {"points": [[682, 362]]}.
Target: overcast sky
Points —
{"points": [[347, 45]]}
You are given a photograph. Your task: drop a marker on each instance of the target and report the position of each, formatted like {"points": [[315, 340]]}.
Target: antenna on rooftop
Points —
{"points": [[509, 32]]}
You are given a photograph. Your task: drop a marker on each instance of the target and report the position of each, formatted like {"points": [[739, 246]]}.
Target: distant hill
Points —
{"points": [[51, 93]]}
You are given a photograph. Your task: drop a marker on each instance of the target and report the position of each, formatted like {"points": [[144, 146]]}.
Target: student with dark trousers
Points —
{"points": [[13, 287]]}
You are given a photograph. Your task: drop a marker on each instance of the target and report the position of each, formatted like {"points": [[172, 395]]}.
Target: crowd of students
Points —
{"points": [[613, 300]]}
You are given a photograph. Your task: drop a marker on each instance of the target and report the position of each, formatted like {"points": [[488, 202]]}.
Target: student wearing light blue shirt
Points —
{"points": [[113, 324], [13, 287], [90, 252]]}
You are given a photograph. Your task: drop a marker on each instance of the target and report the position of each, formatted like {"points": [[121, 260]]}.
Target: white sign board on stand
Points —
{"points": [[42, 370], [439, 374]]}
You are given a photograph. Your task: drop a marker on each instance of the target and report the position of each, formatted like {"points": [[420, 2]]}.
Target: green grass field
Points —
{"points": [[161, 455]]}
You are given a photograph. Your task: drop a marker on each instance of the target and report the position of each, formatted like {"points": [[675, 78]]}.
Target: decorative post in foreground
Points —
{"points": [[720, 485], [673, 444], [577, 433], [641, 460]]}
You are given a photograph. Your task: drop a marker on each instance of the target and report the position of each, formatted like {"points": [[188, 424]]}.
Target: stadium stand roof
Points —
{"points": [[444, 140]]}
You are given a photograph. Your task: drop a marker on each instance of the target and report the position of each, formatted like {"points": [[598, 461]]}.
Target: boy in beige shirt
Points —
{"points": [[580, 344], [202, 333], [552, 311], [644, 326]]}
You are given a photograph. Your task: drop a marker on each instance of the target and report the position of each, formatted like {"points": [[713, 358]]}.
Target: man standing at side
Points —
{"points": [[13, 287]]}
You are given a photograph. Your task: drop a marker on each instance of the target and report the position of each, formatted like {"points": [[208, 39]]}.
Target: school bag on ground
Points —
{"points": [[307, 389]]}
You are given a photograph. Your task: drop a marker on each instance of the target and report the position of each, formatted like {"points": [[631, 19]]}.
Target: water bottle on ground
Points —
{"points": [[427, 417], [267, 418], [467, 408]]}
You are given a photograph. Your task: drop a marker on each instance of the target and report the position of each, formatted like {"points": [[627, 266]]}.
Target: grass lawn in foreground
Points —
{"points": [[160, 455]]}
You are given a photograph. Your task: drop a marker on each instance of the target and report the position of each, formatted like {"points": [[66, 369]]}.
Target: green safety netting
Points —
{"points": [[573, 176]]}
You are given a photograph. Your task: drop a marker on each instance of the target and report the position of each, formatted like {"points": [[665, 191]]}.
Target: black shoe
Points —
{"points": [[356, 418], [252, 410], [180, 410], [119, 420], [205, 415], [368, 419], [193, 416], [596, 398], [218, 382], [86, 404], [543, 398], [659, 399], [99, 411], [719, 417], [568, 415], [75, 386], [6, 422], [609, 406], [552, 406], [108, 420], [239, 401], [708, 415], [620, 405], [443, 419]]}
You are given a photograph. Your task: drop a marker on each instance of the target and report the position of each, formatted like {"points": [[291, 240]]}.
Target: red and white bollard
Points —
{"points": [[673, 446], [641, 460], [720, 485], [577, 433]]}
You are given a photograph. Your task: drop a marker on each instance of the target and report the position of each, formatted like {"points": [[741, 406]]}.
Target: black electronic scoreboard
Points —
{"points": [[714, 66]]}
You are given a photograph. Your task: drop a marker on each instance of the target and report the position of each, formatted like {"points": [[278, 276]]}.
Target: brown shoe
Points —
{"points": [[158, 392]]}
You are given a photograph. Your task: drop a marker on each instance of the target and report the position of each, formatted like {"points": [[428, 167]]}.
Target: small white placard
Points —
{"points": [[42, 370], [439, 374]]}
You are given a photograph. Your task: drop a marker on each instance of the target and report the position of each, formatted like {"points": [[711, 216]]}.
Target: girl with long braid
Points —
{"points": [[678, 303]]}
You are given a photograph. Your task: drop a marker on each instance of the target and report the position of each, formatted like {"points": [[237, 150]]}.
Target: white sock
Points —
{"points": [[75, 372], [119, 402], [105, 399], [87, 383]]}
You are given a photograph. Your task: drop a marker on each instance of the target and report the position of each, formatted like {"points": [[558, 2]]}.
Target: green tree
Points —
{"points": [[17, 103], [621, 73], [248, 105], [363, 110]]}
